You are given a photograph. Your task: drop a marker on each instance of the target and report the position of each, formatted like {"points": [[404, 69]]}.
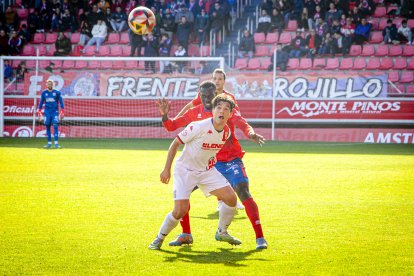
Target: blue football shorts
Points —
{"points": [[233, 171], [51, 118]]}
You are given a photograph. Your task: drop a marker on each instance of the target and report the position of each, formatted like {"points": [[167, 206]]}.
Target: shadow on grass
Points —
{"points": [[227, 256], [215, 216], [269, 147]]}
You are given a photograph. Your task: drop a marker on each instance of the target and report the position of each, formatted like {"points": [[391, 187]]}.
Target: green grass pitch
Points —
{"points": [[94, 206]]}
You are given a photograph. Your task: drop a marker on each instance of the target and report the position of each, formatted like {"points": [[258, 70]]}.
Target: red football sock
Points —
{"points": [[185, 222], [253, 213]]}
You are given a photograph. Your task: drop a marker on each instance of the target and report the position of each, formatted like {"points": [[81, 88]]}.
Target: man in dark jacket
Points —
{"points": [[63, 45], [246, 45], [390, 33], [183, 32]]}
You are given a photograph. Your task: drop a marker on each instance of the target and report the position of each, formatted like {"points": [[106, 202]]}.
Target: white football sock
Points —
{"points": [[169, 224], [225, 217]]}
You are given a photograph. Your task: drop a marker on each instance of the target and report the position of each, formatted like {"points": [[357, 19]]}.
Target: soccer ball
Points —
{"points": [[141, 20]]}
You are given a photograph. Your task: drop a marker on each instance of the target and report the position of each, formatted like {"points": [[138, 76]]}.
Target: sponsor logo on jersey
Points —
{"points": [[211, 146], [211, 162]]}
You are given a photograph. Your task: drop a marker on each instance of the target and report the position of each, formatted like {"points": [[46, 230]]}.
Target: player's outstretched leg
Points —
{"points": [[252, 212], [225, 218], [169, 224]]}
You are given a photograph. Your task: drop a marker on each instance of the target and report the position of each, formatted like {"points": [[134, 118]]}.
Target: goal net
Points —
{"points": [[104, 97]]}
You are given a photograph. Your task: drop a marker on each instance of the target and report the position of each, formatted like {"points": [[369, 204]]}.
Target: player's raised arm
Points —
{"points": [[247, 129], [172, 151], [164, 107], [171, 124]]}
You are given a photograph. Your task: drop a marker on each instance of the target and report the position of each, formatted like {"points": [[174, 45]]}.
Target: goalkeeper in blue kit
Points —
{"points": [[51, 98]]}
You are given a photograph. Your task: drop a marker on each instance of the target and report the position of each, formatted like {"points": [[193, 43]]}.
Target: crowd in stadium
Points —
{"points": [[322, 27]]}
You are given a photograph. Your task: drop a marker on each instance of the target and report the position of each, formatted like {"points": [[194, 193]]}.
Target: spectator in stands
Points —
{"points": [[356, 15], [85, 29], [94, 15], [130, 5], [179, 65], [362, 32], [202, 69], [348, 32], [337, 46], [63, 45], [314, 21], [312, 42], [50, 67], [164, 51], [390, 33], [184, 12], [335, 27], [12, 21], [69, 22], [246, 46], [298, 46], [118, 20], [8, 70], [405, 33], [201, 26], [332, 14], [56, 23], [136, 43], [24, 34], [267, 5], [217, 16], [367, 7], [342, 21], [285, 7], [106, 15], [156, 31], [4, 43], [21, 71], [303, 22], [194, 7], [322, 28], [33, 21], [150, 50], [264, 23], [326, 42], [45, 21], [282, 58], [183, 32], [99, 33], [15, 43], [168, 23], [407, 9], [103, 5], [277, 22], [310, 5]]}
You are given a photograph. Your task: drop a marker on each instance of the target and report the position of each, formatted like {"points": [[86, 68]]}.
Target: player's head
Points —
{"points": [[50, 83], [207, 94], [222, 107], [219, 78]]}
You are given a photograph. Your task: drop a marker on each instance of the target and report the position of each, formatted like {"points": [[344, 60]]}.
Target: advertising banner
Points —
{"points": [[245, 85]]}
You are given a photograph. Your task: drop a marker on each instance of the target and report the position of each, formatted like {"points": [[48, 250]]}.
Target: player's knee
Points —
{"points": [[242, 191], [230, 199], [180, 210]]}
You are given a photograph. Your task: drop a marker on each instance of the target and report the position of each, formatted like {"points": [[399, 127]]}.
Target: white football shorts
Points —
{"points": [[185, 181]]}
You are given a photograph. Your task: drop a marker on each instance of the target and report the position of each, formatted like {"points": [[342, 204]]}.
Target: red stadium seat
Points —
{"points": [[346, 64], [74, 38], [44, 63], [38, 38], [410, 23], [28, 50], [113, 38], [50, 38], [408, 51], [22, 13], [395, 50], [410, 65], [193, 50], [94, 64], [292, 26], [400, 64], [382, 24], [386, 64], [51, 51], [397, 89], [103, 51], [380, 11], [106, 64], [305, 64], [259, 38], [204, 51], [241, 63], [368, 50], [42, 50], [285, 38], [373, 63], [264, 64], [126, 51], [116, 51], [253, 64], [272, 38], [90, 51], [410, 89], [318, 64], [376, 37], [118, 64], [355, 50], [293, 64], [58, 63], [407, 77], [262, 51], [381, 51], [31, 64], [393, 76], [332, 64], [68, 64], [124, 39], [374, 24], [81, 64], [131, 64], [359, 64]]}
